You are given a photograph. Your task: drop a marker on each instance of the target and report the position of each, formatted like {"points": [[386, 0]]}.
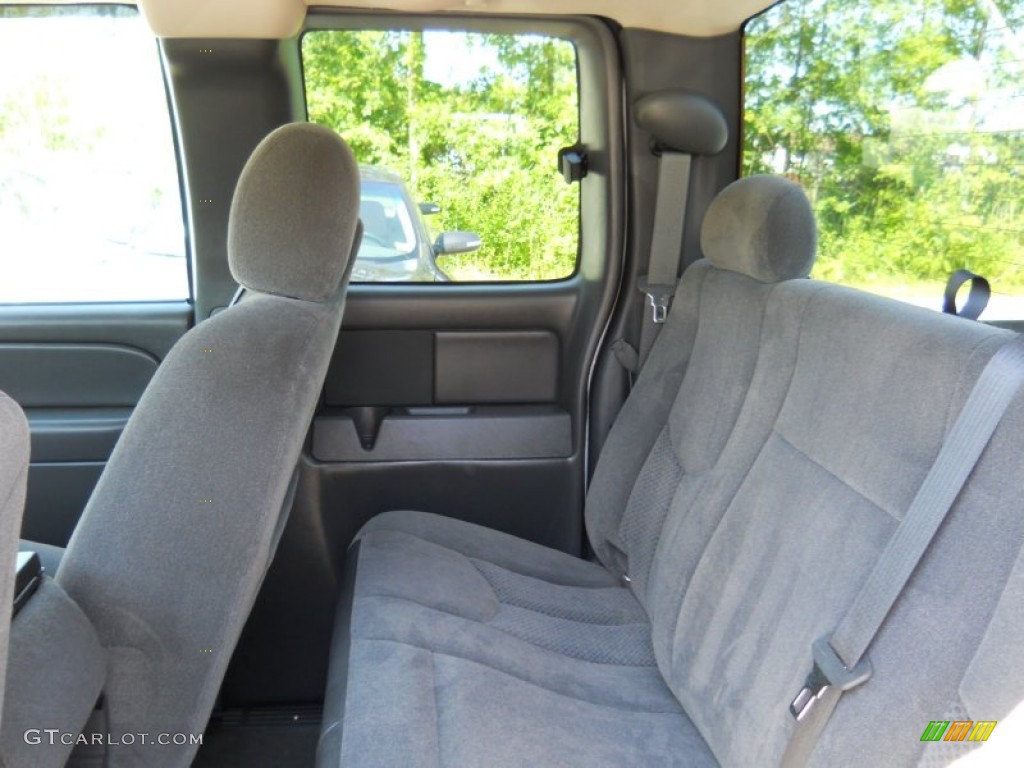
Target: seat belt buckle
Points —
{"points": [[829, 671], [660, 297]]}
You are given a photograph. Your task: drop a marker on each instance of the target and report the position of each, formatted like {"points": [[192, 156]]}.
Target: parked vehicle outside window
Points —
{"points": [[397, 246]]}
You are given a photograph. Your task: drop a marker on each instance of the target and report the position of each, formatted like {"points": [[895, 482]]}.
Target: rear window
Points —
{"points": [[905, 125], [457, 134]]}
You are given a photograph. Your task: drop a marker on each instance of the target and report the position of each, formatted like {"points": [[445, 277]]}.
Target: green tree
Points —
{"points": [[864, 103], [483, 147]]}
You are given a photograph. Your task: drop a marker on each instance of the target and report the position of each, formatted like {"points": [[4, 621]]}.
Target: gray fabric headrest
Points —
{"points": [[762, 227], [294, 214], [683, 122]]}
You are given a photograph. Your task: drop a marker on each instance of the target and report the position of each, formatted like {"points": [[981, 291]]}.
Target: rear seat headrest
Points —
{"points": [[683, 122], [294, 214], [762, 227]]}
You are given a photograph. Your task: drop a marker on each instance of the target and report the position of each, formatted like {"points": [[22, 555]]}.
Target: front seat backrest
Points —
{"points": [[174, 542], [13, 473]]}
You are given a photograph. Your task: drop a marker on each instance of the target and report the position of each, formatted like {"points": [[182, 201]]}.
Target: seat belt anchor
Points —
{"points": [[829, 671], [660, 297]]}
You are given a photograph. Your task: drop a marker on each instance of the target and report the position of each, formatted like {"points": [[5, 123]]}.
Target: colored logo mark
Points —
{"points": [[958, 730]]}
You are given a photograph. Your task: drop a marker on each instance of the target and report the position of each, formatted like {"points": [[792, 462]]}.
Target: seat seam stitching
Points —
{"points": [[510, 634], [584, 622], [675, 634], [523, 679], [549, 613], [498, 565], [830, 473]]}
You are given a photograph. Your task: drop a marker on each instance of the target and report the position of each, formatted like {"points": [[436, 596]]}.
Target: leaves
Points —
{"points": [[904, 124], [481, 144]]}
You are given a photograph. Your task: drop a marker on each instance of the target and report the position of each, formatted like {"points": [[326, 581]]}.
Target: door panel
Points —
{"points": [[496, 367], [78, 370], [378, 368], [445, 434], [75, 434], [81, 375], [435, 374]]}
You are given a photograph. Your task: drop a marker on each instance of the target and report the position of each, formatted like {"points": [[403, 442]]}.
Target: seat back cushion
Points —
{"points": [[687, 399], [835, 435], [174, 542], [54, 678]]}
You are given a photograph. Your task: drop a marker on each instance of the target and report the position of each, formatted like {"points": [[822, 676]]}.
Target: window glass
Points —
{"points": [[904, 122], [90, 207], [456, 132]]}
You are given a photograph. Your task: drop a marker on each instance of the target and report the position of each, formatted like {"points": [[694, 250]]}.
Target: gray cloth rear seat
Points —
{"points": [[770, 448]]}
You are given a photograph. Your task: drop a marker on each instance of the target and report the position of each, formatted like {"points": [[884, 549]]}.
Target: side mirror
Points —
{"points": [[429, 209], [456, 242]]}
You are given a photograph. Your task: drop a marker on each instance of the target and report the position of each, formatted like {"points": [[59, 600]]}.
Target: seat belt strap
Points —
{"points": [[659, 284], [840, 663], [977, 298]]}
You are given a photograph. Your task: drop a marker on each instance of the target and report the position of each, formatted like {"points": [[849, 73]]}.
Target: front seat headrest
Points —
{"points": [[762, 227], [295, 213]]}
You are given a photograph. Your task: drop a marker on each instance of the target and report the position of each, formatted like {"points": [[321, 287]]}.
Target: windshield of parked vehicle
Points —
{"points": [[388, 230]]}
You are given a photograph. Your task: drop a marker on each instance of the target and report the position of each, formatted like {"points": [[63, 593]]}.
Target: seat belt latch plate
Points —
{"points": [[659, 296], [829, 672]]}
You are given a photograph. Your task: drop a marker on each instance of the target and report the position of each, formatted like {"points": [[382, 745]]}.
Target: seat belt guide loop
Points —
{"points": [[659, 296], [829, 672]]}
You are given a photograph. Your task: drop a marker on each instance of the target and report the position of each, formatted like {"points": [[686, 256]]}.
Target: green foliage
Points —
{"points": [[888, 114], [483, 148]]}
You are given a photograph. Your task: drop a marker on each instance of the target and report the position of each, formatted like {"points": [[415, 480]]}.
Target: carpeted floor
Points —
{"points": [[261, 738]]}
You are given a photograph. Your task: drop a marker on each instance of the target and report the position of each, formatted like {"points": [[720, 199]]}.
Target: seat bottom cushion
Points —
{"points": [[459, 645]]}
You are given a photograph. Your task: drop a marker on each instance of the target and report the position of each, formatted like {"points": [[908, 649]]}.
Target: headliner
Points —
{"points": [[283, 18]]}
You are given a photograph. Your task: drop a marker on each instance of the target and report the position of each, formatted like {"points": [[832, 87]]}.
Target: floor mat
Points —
{"points": [[261, 738]]}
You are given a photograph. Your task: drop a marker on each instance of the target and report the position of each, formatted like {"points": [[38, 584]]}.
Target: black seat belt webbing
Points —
{"points": [[977, 298]]}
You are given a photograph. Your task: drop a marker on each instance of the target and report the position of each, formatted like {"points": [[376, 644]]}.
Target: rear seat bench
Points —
{"points": [[773, 442]]}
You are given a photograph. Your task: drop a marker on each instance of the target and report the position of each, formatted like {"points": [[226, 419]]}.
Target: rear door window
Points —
{"points": [[457, 134]]}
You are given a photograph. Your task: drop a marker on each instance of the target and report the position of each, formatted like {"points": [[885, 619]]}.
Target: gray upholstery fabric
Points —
{"points": [[641, 420], [14, 450], [684, 122], [763, 227], [813, 512], [54, 678], [176, 537], [758, 469], [292, 220], [494, 547], [507, 651]]}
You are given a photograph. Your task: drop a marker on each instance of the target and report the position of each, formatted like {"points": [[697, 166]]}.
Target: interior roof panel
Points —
{"points": [[284, 18]]}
